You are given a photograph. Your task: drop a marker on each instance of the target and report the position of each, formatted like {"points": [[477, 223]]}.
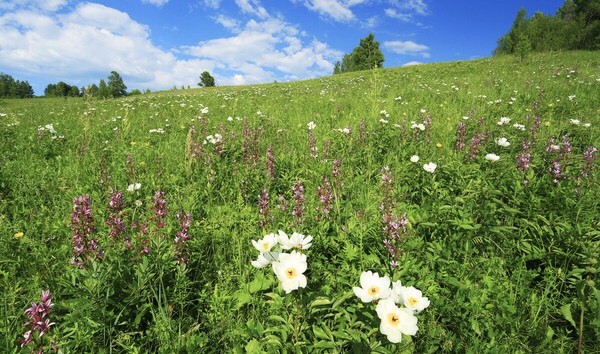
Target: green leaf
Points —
{"points": [[253, 347], [565, 310], [259, 283]]}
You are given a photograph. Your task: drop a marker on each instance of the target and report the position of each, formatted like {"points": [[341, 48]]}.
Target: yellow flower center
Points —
{"points": [[412, 301], [265, 246], [393, 319], [290, 273], [373, 290]]}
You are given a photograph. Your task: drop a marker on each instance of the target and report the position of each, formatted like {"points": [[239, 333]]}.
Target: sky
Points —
{"points": [[161, 44]]}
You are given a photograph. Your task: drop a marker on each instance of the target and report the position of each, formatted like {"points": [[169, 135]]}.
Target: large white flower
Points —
{"points": [[289, 270], [414, 158], [395, 321], [266, 244], [413, 299], [372, 287], [297, 240], [430, 167], [396, 293]]}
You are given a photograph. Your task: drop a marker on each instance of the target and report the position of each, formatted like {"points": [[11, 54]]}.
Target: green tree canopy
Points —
{"points": [[116, 86], [364, 57], [206, 80], [576, 26], [11, 88]]}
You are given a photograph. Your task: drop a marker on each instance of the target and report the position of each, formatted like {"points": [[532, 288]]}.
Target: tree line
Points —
{"points": [[11, 88], [576, 26], [114, 88]]}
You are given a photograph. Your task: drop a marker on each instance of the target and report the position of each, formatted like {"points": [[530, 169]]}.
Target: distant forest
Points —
{"points": [[576, 26]]}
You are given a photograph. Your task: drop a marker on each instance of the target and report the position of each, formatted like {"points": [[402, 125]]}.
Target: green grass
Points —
{"points": [[508, 258]]}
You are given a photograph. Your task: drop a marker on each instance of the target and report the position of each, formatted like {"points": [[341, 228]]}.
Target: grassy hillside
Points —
{"points": [[502, 235]]}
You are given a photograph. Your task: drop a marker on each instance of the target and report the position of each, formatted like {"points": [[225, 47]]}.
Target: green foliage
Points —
{"points": [[507, 256], [364, 57], [11, 88], [576, 26], [206, 80], [116, 87], [61, 89]]}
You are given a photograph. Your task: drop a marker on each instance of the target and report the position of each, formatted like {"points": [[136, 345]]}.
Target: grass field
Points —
{"points": [[474, 182]]}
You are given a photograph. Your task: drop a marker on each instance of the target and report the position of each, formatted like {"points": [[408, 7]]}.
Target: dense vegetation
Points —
{"points": [[11, 88], [576, 26], [135, 216], [365, 56]]}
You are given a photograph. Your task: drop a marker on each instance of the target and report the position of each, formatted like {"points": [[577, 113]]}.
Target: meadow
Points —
{"points": [[127, 225]]}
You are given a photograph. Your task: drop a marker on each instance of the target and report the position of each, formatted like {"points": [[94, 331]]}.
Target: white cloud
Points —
{"points": [[230, 23], [158, 3], [393, 13], [407, 47], [266, 51], [412, 63], [333, 8], [84, 43], [252, 7], [46, 5], [417, 6]]}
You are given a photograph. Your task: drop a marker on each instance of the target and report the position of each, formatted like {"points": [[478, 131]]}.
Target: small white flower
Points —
{"points": [[519, 126], [504, 120], [492, 157], [430, 167], [266, 244], [383, 121], [297, 240], [134, 187], [372, 287], [261, 261], [575, 121], [502, 142], [571, 98], [311, 125], [414, 158], [413, 299]]}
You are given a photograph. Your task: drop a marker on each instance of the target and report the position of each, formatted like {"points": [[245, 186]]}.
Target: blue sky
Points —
{"points": [[158, 44]]}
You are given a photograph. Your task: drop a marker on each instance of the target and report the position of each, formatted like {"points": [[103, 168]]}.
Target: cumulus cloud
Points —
{"points": [[265, 51], [407, 47], [406, 10], [84, 43]]}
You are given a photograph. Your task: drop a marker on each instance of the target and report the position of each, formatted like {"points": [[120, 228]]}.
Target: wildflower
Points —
{"points": [[430, 167], [413, 299], [266, 244], [438, 145], [492, 157], [414, 158], [575, 121], [289, 270], [19, 234], [132, 143], [311, 125], [297, 240], [519, 126], [395, 321], [372, 287], [504, 120], [36, 314], [502, 142], [134, 187], [261, 261]]}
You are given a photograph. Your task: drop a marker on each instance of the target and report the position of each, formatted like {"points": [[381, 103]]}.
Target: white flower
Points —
{"points": [[575, 121], [134, 187], [297, 240], [430, 167], [502, 142], [261, 261], [413, 299], [266, 244], [372, 287], [571, 98], [395, 321], [396, 293], [504, 120], [519, 126], [311, 125], [414, 158], [492, 157], [289, 270], [204, 110], [383, 121]]}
